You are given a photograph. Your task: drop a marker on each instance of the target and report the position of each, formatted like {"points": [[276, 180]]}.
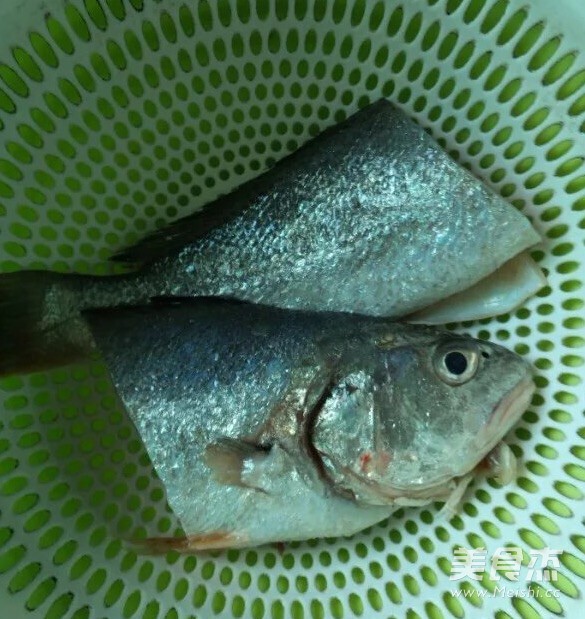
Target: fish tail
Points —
{"points": [[40, 326]]}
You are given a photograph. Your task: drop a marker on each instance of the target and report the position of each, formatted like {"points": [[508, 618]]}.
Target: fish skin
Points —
{"points": [[246, 411], [370, 217]]}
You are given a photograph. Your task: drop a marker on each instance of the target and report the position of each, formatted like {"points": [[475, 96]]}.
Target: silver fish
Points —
{"points": [[271, 425], [369, 217]]}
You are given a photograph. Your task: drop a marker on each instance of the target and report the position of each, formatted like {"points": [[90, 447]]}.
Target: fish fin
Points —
{"points": [[30, 340], [232, 461], [188, 229], [165, 301], [213, 540], [451, 505], [207, 300]]}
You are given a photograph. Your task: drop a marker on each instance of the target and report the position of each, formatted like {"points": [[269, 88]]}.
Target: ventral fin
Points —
{"points": [[233, 461], [213, 540]]}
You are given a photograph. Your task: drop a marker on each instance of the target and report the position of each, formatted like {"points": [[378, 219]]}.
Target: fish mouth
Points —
{"points": [[495, 458], [506, 413], [498, 460]]}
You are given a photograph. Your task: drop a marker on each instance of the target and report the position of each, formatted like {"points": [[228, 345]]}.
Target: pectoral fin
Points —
{"points": [[234, 461]]}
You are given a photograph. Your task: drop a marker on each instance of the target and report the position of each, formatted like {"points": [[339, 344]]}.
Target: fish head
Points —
{"points": [[405, 428]]}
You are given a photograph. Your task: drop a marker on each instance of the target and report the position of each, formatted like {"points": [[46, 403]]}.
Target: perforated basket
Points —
{"points": [[119, 115]]}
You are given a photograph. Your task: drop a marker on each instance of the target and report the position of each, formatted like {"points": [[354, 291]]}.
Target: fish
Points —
{"points": [[370, 217], [270, 425]]}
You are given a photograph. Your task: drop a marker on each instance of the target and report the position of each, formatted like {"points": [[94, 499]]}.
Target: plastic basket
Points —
{"points": [[119, 115]]}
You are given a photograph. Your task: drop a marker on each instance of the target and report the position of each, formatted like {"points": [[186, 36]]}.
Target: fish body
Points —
{"points": [[271, 425], [369, 217]]}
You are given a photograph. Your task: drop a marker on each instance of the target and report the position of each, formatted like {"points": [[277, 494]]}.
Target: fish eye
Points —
{"points": [[455, 365], [455, 362]]}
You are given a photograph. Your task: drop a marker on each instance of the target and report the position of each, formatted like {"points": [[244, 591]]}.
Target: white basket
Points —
{"points": [[118, 115]]}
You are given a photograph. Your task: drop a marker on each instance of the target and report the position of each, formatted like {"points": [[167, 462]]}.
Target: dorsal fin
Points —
{"points": [[180, 233]]}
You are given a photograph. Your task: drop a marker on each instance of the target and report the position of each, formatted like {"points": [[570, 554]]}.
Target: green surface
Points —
{"points": [[116, 117]]}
